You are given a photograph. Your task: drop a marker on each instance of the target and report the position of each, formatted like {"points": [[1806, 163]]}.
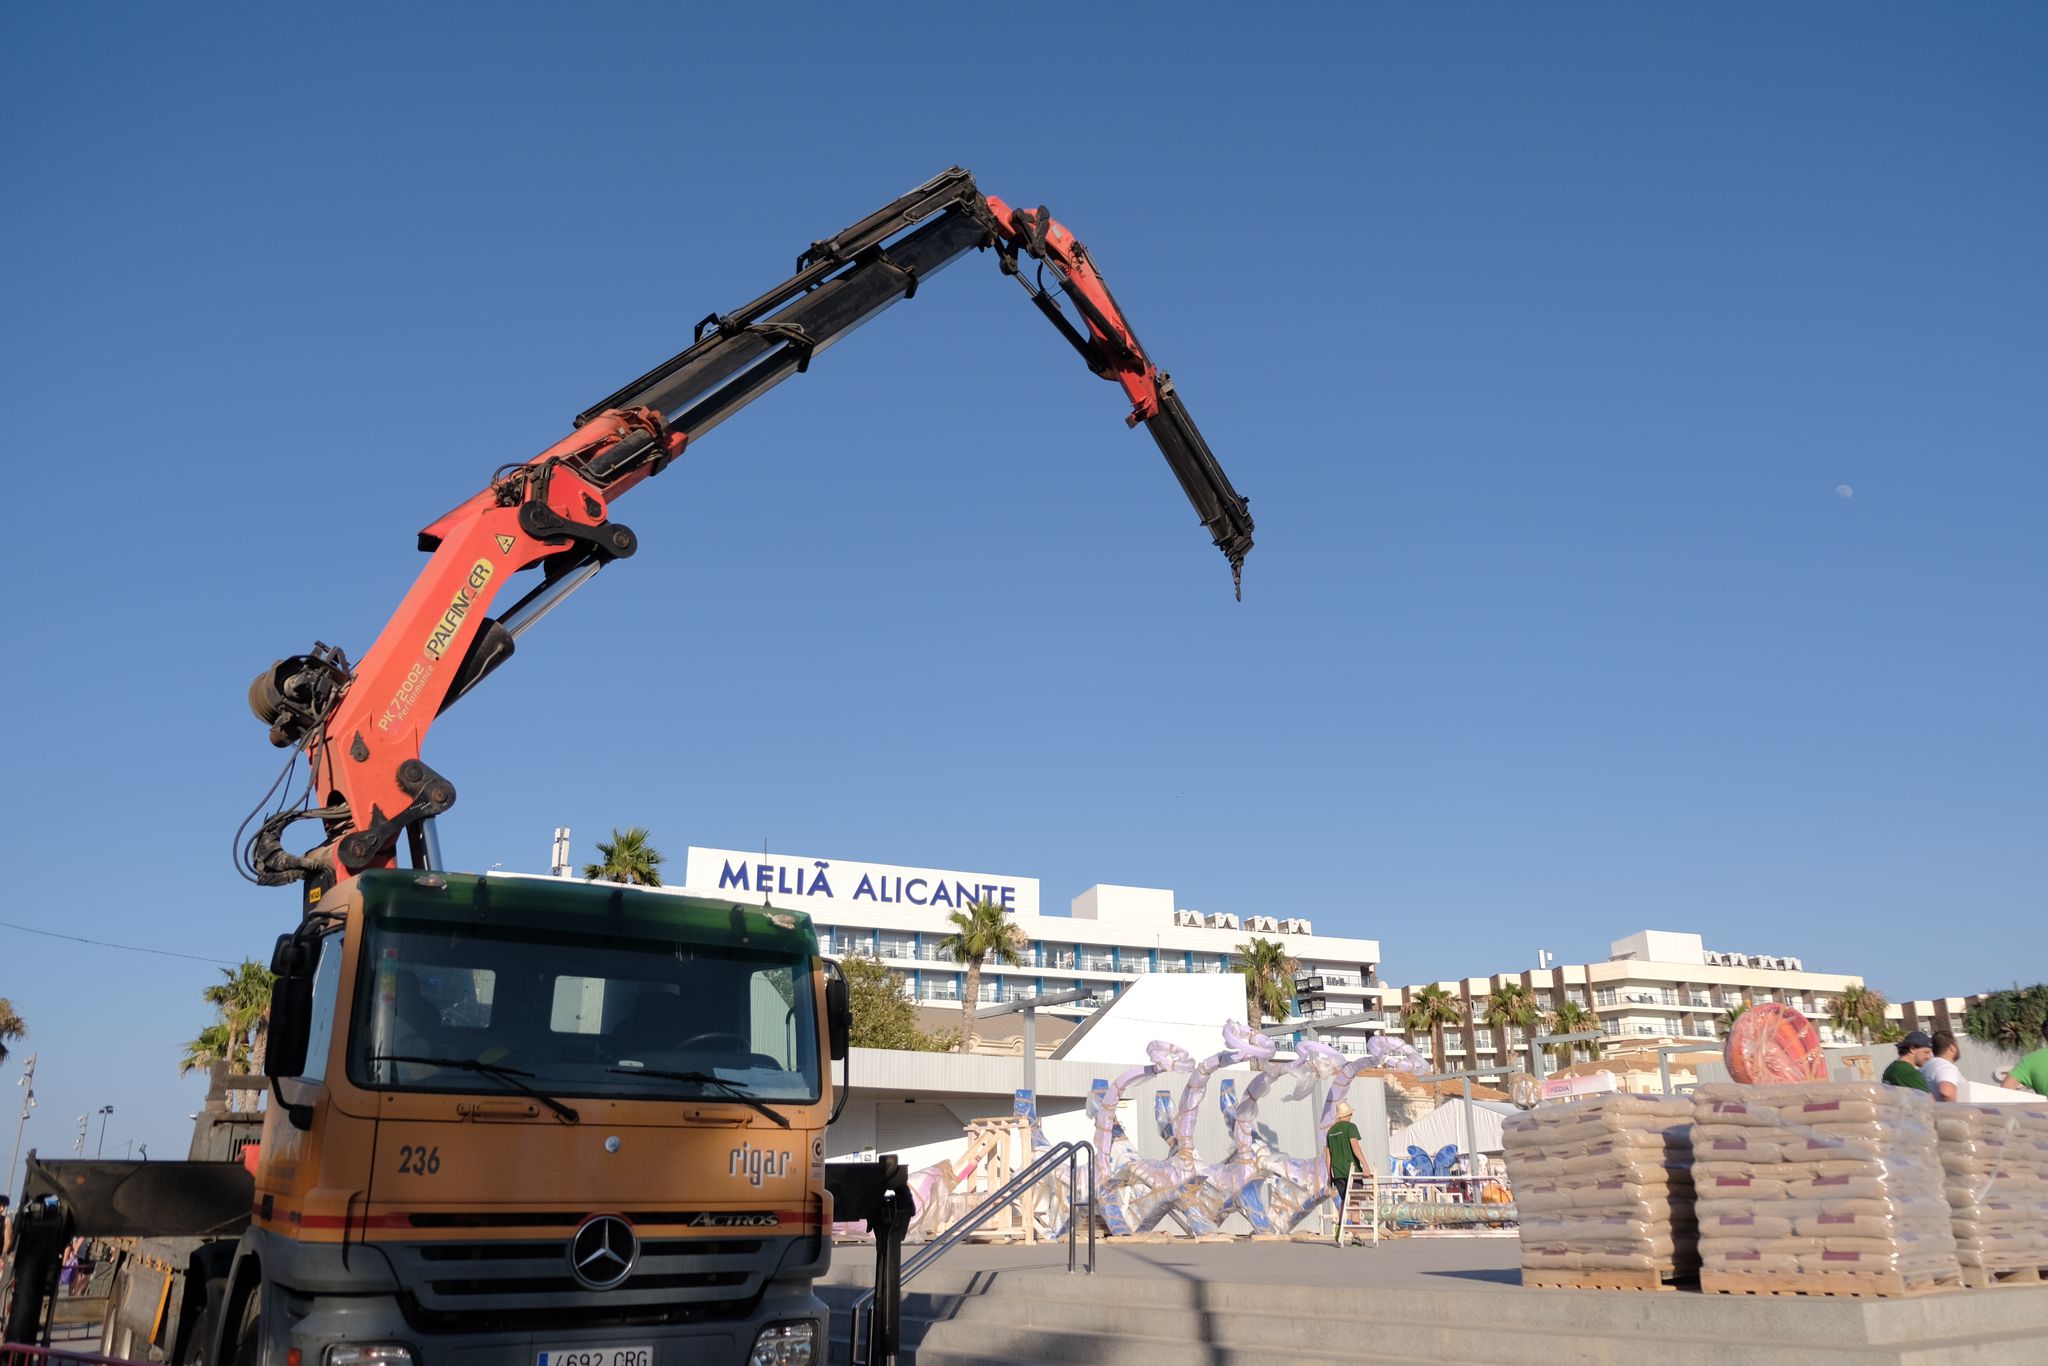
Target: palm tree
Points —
{"points": [[979, 930], [1858, 1010], [209, 1048], [242, 997], [1510, 1007], [1734, 1013], [12, 1027], [1842, 1012], [628, 858], [1571, 1017], [1430, 1010], [1268, 980]]}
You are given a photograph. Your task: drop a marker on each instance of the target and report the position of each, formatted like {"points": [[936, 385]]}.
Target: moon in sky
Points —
{"points": [[1844, 491]]}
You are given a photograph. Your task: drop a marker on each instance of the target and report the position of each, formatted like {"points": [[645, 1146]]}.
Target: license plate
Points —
{"points": [[595, 1356]]}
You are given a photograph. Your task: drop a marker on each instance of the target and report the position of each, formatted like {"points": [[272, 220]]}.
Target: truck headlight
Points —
{"points": [[784, 1344], [369, 1354]]}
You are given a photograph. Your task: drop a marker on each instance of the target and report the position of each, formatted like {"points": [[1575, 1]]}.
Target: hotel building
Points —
{"points": [[1657, 987], [1110, 937]]}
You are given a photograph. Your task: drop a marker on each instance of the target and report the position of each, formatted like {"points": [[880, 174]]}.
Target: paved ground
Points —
{"points": [[1430, 1299], [1397, 1263]]}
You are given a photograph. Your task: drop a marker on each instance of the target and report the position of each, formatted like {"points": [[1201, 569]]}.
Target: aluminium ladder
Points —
{"points": [[1360, 1209]]}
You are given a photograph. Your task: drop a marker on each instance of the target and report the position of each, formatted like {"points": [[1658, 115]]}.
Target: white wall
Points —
{"points": [[1127, 905], [925, 1130], [1660, 946], [1187, 1009]]}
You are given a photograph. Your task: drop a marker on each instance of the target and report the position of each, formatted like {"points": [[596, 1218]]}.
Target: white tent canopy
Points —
{"points": [[1446, 1124]]}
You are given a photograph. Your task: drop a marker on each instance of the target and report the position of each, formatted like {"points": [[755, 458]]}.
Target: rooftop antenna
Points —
{"points": [[560, 863]]}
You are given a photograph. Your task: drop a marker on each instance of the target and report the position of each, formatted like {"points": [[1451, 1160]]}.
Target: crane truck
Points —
{"points": [[526, 1120]]}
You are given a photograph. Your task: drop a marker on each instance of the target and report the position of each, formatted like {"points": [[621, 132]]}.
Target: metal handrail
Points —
{"points": [[1041, 1167]]}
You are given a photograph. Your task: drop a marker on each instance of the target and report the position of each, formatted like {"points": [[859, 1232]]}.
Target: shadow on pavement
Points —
{"points": [[1494, 1274]]}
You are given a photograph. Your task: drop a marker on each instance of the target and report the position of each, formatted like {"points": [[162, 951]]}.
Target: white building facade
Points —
{"points": [[1657, 987], [1111, 936]]}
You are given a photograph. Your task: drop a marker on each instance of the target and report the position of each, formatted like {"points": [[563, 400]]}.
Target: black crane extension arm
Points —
{"points": [[846, 279]]}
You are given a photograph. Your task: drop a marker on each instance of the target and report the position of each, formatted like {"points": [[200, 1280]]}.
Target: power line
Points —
{"points": [[108, 944]]}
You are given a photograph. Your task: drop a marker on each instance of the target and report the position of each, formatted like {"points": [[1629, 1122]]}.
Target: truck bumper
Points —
{"points": [[335, 1321]]}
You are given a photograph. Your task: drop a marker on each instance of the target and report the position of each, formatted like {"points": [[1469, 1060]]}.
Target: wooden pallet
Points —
{"points": [[1977, 1278], [1596, 1280], [1866, 1286]]}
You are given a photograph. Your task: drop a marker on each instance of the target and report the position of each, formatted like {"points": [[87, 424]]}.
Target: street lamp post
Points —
{"points": [[1537, 1042], [1314, 1026], [1029, 1007], [28, 1103], [105, 1110]]}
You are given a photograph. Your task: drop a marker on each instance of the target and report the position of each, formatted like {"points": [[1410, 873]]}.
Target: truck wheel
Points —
{"points": [[201, 1301], [249, 1339], [199, 1347]]}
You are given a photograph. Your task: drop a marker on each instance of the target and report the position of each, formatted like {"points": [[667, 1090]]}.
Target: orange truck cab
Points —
{"points": [[536, 1121]]}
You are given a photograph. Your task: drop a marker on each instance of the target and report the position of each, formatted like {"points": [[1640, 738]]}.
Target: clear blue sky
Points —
{"points": [[1542, 340]]}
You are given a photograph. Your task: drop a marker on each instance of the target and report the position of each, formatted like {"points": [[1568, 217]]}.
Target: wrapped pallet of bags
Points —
{"points": [[1994, 1164], [1603, 1192], [1822, 1188]]}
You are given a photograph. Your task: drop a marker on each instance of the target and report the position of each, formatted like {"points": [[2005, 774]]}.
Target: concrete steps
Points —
{"points": [[1038, 1316]]}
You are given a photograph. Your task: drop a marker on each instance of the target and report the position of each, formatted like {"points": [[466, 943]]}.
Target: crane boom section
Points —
{"points": [[362, 728]]}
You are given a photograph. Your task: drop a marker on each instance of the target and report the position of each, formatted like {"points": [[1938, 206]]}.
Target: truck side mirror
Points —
{"points": [[291, 1006], [838, 1012]]}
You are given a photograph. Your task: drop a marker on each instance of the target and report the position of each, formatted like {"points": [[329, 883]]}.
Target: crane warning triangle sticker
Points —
{"points": [[504, 545]]}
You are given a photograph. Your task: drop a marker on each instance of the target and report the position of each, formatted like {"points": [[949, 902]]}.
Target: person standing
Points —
{"points": [[1944, 1078], [1345, 1152], [6, 1250], [1914, 1049], [2031, 1072]]}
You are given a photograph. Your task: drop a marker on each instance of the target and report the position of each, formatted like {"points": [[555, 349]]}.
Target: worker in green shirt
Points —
{"points": [[1914, 1049], [2029, 1073], [1345, 1152]]}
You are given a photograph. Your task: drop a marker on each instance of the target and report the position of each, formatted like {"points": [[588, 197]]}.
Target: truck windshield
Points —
{"points": [[576, 1015]]}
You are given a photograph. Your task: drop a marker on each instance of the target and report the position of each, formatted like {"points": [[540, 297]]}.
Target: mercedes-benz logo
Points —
{"points": [[602, 1252]]}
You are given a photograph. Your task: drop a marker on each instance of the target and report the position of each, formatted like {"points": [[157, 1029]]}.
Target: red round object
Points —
{"points": [[1773, 1044]]}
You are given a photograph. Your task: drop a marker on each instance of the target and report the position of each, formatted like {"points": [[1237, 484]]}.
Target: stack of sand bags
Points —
{"points": [[1994, 1161], [1604, 1185], [1826, 1179]]}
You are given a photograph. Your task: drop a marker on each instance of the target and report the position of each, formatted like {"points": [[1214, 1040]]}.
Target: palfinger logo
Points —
{"points": [[451, 620], [603, 1251]]}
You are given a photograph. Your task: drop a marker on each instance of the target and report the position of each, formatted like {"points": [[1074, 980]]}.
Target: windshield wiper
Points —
{"points": [[733, 1090], [509, 1075]]}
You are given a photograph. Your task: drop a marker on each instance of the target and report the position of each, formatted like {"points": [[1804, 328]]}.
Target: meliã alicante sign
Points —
{"points": [[820, 885]]}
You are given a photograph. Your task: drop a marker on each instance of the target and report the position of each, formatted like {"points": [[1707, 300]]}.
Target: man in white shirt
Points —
{"points": [[1944, 1078]]}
